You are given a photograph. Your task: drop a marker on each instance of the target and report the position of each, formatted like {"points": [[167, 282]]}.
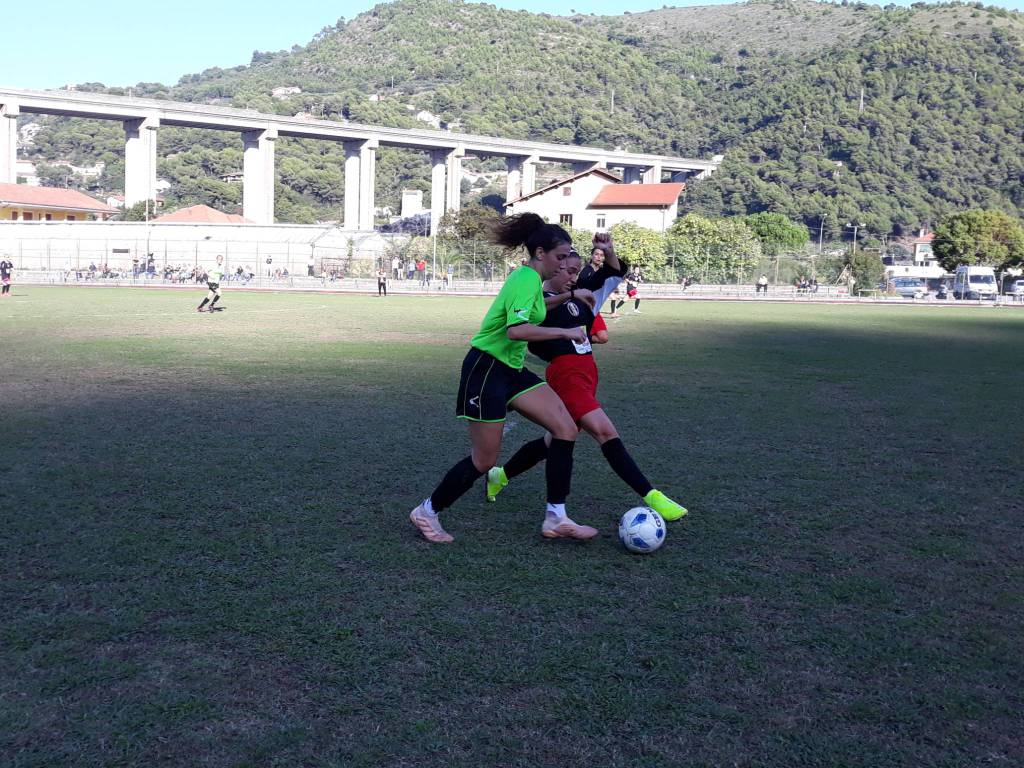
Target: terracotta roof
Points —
{"points": [[639, 195], [22, 195], [925, 238], [201, 214], [568, 179]]}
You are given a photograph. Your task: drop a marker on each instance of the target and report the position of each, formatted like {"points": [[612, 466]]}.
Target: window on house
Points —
{"points": [[565, 218], [601, 221], [27, 216], [14, 215], [49, 217], [71, 218], [566, 191]]}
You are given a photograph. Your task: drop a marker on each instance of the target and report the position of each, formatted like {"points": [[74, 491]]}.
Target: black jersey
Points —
{"points": [[575, 313], [5, 268]]}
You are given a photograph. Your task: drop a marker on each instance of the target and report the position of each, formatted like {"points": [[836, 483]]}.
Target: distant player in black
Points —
{"points": [[213, 277], [6, 267]]}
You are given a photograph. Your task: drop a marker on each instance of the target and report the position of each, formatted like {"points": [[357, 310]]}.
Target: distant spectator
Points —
{"points": [[311, 267], [762, 284], [410, 269], [421, 268], [396, 268], [382, 282]]}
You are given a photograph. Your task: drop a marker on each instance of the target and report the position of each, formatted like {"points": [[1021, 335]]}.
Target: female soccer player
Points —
{"points": [[213, 277], [382, 281], [5, 274], [494, 380], [572, 373]]}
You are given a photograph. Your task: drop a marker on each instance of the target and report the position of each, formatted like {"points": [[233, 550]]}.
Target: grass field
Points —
{"points": [[207, 559]]}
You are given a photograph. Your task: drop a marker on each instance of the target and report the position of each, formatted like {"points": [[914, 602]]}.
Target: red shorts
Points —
{"points": [[631, 292], [574, 379]]}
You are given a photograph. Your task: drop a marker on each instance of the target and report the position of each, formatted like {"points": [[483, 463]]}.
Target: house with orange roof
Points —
{"points": [[597, 199], [200, 214], [21, 202]]}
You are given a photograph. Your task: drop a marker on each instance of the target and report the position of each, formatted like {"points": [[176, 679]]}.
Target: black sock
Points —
{"points": [[619, 305], [459, 479], [636, 304], [204, 303], [558, 471], [527, 457], [620, 461], [215, 299]]}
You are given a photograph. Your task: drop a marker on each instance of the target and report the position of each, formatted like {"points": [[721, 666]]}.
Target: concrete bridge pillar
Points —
{"points": [[530, 174], [353, 150], [367, 183], [453, 182], [258, 175], [677, 176], [140, 159], [653, 174], [9, 112], [630, 175], [438, 187], [514, 179]]}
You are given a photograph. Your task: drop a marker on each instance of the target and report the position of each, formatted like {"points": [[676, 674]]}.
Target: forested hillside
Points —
{"points": [[891, 117]]}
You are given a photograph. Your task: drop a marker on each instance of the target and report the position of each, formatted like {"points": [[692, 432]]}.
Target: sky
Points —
{"points": [[123, 43]]}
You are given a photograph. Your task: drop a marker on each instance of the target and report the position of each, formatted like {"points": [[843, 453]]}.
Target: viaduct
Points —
{"points": [[143, 118]]}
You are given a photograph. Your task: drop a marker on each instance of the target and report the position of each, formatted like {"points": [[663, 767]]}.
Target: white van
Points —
{"points": [[971, 282]]}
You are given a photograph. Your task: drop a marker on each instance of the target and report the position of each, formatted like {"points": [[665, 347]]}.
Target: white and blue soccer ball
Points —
{"points": [[642, 530]]}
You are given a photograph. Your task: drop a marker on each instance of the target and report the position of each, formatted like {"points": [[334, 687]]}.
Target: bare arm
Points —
{"points": [[528, 332], [558, 299]]}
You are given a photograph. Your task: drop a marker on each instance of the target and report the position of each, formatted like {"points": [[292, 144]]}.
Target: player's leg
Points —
{"points": [[599, 426], [636, 305], [216, 297], [542, 406], [486, 441], [206, 300], [526, 458]]}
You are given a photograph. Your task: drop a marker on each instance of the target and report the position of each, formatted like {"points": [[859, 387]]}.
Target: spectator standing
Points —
{"points": [[410, 269], [311, 267], [421, 268], [762, 284], [382, 281], [396, 268]]}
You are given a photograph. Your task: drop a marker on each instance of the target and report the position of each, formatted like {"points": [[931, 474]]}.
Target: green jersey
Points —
{"points": [[520, 300], [215, 273]]}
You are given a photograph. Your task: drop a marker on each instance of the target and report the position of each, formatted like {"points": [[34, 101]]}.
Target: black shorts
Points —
{"points": [[488, 386], [213, 286]]}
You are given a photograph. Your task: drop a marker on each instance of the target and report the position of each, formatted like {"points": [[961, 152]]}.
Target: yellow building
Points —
{"points": [[21, 202]]}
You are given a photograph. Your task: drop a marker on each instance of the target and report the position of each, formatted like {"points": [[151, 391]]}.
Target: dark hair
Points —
{"points": [[529, 230]]}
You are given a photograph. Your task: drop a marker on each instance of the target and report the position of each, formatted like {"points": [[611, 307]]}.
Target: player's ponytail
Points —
{"points": [[530, 231]]}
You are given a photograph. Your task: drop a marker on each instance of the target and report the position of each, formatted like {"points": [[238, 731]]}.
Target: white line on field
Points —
{"points": [[181, 314]]}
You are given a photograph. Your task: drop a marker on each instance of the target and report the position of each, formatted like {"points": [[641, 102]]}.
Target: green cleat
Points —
{"points": [[664, 506], [496, 480]]}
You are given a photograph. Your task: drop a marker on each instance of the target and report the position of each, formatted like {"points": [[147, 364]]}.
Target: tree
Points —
{"points": [[866, 268], [641, 247], [776, 232], [140, 211], [712, 250], [979, 237]]}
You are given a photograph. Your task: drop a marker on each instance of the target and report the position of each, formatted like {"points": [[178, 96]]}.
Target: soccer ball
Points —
{"points": [[642, 530]]}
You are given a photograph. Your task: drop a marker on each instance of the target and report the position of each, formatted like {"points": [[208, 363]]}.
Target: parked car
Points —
{"points": [[1016, 289], [910, 287]]}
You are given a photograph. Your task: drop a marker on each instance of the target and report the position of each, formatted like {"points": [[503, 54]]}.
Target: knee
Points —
{"points": [[565, 428], [604, 433], [484, 459]]}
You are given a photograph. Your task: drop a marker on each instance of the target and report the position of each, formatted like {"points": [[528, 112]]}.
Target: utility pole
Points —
{"points": [[821, 231]]}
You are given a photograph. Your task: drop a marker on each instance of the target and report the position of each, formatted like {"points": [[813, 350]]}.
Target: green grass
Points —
{"points": [[207, 561]]}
